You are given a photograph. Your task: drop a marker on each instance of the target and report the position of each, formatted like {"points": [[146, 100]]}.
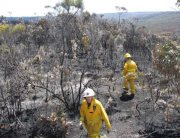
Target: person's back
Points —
{"points": [[130, 66], [129, 74]]}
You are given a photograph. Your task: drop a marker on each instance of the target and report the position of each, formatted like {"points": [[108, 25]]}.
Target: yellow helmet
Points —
{"points": [[127, 55]]}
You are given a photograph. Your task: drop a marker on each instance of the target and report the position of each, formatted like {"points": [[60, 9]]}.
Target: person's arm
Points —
{"points": [[81, 117], [81, 114], [124, 72], [136, 68], [105, 118]]}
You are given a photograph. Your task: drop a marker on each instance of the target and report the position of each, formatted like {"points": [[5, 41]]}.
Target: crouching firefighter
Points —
{"points": [[129, 74], [93, 114]]}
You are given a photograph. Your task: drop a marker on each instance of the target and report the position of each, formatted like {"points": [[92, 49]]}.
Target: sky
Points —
{"points": [[37, 7]]}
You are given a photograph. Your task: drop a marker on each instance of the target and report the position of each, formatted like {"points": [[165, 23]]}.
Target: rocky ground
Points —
{"points": [[128, 119], [138, 118], [123, 117]]}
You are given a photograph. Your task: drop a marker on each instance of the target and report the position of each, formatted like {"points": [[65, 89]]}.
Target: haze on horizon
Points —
{"points": [[18, 8]]}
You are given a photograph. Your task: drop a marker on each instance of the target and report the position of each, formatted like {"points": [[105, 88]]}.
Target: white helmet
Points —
{"points": [[88, 93]]}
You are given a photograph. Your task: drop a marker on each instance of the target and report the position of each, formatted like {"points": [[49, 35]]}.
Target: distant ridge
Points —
{"points": [[130, 15], [157, 22], [15, 20]]}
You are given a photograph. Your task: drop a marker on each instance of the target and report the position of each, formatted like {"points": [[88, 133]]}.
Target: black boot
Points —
{"points": [[127, 97], [125, 91]]}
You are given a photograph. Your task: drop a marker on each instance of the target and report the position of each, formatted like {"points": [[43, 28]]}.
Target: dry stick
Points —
{"points": [[21, 125], [50, 92], [137, 105], [47, 82], [147, 135], [4, 100]]}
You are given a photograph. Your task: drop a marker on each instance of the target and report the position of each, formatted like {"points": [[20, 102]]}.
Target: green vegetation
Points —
{"points": [[167, 59]]}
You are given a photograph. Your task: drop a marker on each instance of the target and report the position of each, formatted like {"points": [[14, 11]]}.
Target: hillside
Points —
{"points": [[157, 22], [45, 66]]}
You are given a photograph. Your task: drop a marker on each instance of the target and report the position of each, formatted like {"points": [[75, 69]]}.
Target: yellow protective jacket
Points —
{"points": [[130, 69], [93, 116]]}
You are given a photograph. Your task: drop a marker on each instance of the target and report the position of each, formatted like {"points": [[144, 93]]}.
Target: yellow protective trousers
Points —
{"points": [[129, 73], [93, 136], [131, 83]]}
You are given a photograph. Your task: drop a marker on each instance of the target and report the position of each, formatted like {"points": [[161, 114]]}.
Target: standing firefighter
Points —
{"points": [[93, 114], [129, 74]]}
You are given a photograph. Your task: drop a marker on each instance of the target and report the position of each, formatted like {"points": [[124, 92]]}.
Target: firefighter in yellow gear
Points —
{"points": [[92, 115], [85, 42], [129, 74]]}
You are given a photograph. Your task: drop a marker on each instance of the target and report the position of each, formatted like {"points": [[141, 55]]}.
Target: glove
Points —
{"points": [[81, 126]]}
